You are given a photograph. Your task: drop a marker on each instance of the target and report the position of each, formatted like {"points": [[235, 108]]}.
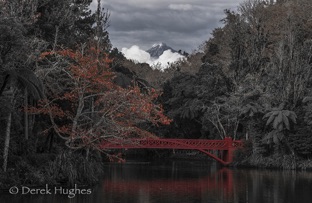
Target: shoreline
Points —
{"points": [[275, 162]]}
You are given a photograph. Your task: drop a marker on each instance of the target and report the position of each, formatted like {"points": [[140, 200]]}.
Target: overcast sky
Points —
{"points": [[181, 24]]}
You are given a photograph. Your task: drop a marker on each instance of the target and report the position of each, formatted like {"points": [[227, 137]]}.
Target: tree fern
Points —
{"points": [[274, 136], [26, 80], [23, 78], [280, 119], [192, 109], [308, 110], [251, 109]]}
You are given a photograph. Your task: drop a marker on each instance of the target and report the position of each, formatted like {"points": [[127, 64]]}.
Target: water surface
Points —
{"points": [[182, 182]]}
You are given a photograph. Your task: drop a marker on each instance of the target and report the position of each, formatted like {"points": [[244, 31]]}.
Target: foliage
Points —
{"points": [[301, 142], [189, 99], [67, 47], [274, 136], [263, 55], [258, 59], [97, 108], [193, 109], [280, 119], [251, 109], [23, 78], [73, 168], [64, 22], [308, 110]]}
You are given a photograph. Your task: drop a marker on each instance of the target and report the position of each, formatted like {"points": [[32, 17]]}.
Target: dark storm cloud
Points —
{"points": [[182, 24]]}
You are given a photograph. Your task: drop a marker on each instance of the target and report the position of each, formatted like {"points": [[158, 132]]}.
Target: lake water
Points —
{"points": [[179, 182]]}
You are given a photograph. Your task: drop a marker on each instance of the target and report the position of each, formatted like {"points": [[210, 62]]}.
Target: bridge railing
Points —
{"points": [[160, 143], [227, 146]]}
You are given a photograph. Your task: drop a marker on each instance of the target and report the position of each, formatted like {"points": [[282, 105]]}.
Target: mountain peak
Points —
{"points": [[159, 44], [158, 49]]}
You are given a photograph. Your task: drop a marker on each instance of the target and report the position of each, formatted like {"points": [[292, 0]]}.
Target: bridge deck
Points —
{"points": [[227, 146], [171, 144]]}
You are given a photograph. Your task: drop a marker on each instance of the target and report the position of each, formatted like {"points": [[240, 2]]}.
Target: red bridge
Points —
{"points": [[220, 150]]}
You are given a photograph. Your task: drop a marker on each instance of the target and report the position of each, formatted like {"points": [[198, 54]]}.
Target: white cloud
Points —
{"points": [[140, 56], [167, 57], [141, 22], [136, 54], [183, 7]]}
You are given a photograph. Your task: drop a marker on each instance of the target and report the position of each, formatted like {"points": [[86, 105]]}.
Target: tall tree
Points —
{"points": [[65, 23], [116, 111]]}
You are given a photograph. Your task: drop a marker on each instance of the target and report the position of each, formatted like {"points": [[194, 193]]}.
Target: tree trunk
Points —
{"points": [[6, 80], [26, 121], [87, 153], [78, 113], [7, 142], [8, 133]]}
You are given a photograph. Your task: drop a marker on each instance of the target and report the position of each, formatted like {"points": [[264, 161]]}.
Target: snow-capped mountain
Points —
{"points": [[158, 49]]}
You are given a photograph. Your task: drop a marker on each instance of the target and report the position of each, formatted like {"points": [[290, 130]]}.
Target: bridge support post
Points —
{"points": [[228, 154]]}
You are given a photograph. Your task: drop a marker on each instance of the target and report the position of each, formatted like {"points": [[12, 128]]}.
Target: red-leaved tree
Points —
{"points": [[89, 107]]}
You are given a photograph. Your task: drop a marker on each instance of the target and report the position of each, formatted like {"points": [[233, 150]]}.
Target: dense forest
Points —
{"points": [[254, 84], [64, 89]]}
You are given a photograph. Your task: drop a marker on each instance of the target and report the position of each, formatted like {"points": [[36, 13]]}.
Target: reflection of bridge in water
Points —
{"points": [[220, 150], [221, 181]]}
